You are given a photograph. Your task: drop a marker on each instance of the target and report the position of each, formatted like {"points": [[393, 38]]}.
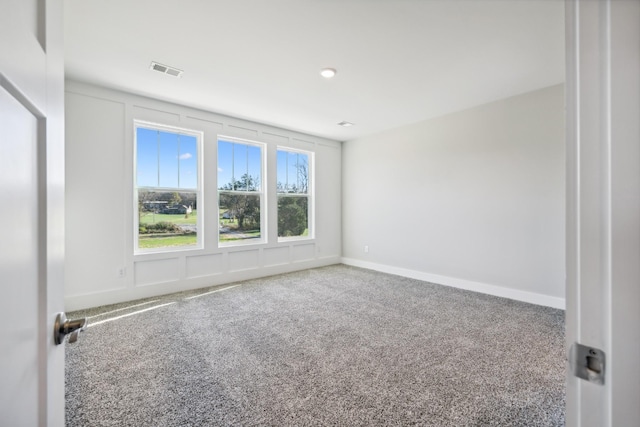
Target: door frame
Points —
{"points": [[603, 207]]}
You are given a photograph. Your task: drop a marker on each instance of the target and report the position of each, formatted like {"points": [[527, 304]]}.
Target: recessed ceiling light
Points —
{"points": [[327, 73], [345, 124], [165, 69]]}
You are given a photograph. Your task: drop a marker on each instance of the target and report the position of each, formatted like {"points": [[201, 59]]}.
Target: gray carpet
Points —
{"points": [[337, 346]]}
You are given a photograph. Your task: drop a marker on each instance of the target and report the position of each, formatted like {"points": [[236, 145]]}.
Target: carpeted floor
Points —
{"points": [[336, 345]]}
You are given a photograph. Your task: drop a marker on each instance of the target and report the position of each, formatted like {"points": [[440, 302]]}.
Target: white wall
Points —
{"points": [[100, 215], [474, 199]]}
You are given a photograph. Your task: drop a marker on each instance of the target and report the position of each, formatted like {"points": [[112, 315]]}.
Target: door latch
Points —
{"points": [[587, 363], [64, 327]]}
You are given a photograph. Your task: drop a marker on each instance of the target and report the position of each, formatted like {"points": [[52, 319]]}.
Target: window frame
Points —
{"points": [[199, 135], [263, 193], [310, 194]]}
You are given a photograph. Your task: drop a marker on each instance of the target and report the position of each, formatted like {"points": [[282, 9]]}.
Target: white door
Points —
{"points": [[31, 211], [603, 207]]}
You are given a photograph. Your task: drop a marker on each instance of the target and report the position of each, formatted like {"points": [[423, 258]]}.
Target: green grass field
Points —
{"points": [[149, 242], [160, 241], [151, 218]]}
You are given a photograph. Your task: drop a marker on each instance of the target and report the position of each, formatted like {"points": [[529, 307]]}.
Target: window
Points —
{"points": [[240, 191], [167, 188], [294, 192]]}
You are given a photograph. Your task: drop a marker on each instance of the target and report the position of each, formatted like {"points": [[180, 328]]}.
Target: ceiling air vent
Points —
{"points": [[165, 69], [345, 124]]}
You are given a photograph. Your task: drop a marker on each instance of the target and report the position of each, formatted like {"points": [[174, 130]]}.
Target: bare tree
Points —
{"points": [[303, 175]]}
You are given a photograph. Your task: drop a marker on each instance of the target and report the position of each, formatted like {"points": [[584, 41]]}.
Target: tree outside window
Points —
{"points": [[293, 179], [240, 191]]}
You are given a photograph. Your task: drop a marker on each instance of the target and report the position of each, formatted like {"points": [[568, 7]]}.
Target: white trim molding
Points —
{"points": [[602, 223], [469, 285]]}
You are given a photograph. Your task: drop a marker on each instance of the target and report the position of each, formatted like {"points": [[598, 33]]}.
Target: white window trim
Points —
{"points": [[310, 194], [263, 193], [199, 135]]}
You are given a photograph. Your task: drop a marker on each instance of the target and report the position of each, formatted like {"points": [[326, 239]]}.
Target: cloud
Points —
{"points": [[185, 156], [220, 169]]}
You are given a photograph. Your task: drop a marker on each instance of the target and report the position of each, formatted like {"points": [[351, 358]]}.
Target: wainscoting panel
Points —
{"points": [[157, 271], [244, 260], [272, 137], [214, 125], [304, 252], [204, 265], [304, 142], [155, 116], [275, 256], [240, 132]]}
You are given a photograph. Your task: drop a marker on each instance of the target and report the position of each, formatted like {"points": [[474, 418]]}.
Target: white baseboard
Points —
{"points": [[485, 288]]}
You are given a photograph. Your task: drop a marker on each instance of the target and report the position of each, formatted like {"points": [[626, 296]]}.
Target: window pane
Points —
{"points": [[292, 172], [293, 216], [146, 157], [239, 217], [225, 165], [169, 154], [188, 162], [167, 219], [254, 163], [167, 160], [281, 163], [240, 167], [303, 173], [293, 186]]}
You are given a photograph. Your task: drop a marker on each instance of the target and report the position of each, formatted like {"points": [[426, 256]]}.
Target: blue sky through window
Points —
{"points": [[236, 160], [290, 165], [166, 159]]}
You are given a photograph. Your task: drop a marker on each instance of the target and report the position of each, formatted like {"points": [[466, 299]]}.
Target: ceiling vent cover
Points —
{"points": [[165, 69], [345, 124]]}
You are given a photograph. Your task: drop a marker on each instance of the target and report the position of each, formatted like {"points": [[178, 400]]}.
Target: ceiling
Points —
{"points": [[398, 61]]}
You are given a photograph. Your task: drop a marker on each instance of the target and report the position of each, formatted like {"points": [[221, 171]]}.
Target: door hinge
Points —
{"points": [[587, 363]]}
